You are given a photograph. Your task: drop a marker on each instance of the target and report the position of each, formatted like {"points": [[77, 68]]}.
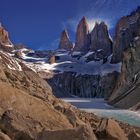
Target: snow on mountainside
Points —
{"points": [[72, 62], [7, 60]]}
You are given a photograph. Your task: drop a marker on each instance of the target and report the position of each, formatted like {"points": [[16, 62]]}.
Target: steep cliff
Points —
{"points": [[82, 36], [87, 86], [127, 29], [126, 92]]}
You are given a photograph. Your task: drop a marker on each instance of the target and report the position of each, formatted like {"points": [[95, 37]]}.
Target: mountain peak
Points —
{"points": [[100, 39], [82, 35], [65, 42]]}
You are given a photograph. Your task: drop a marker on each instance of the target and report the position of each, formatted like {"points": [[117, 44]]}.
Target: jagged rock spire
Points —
{"points": [[82, 35], [65, 42], [100, 39]]}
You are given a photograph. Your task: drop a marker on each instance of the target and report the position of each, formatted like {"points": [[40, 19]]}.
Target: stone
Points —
{"points": [[4, 136], [79, 133], [110, 130]]}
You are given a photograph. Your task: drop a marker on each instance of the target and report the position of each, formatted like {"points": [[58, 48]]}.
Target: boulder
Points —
{"points": [[110, 130], [4, 136], [79, 133]]}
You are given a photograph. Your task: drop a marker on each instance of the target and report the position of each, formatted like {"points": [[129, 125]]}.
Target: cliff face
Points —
{"points": [[82, 36], [87, 86], [65, 42], [126, 92], [127, 29], [127, 49], [100, 40]]}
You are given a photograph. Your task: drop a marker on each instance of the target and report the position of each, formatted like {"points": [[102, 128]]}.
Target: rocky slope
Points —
{"points": [[28, 110]]}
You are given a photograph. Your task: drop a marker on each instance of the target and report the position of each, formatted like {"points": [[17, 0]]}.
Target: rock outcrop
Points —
{"points": [[127, 29], [5, 42], [100, 40], [65, 42], [82, 36]]}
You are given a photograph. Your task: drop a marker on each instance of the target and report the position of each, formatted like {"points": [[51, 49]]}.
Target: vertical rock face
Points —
{"points": [[4, 39], [126, 93], [65, 42], [87, 86], [127, 28], [82, 36], [100, 39]]}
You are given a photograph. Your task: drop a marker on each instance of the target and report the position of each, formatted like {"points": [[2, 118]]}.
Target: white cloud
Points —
{"points": [[92, 22], [72, 23]]}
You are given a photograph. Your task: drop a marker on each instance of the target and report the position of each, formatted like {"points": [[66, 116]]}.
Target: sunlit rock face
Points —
{"points": [[65, 42], [82, 36], [100, 39], [127, 29], [5, 42]]}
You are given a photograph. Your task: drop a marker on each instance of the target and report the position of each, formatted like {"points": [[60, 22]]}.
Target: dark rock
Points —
{"points": [[82, 85]]}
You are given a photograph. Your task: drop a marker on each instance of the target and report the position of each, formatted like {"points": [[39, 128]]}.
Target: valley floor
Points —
{"points": [[102, 109]]}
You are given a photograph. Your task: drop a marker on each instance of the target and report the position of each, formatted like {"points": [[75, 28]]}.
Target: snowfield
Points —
{"points": [[67, 63]]}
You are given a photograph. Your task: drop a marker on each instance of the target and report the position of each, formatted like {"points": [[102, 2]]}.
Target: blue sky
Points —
{"points": [[38, 23]]}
